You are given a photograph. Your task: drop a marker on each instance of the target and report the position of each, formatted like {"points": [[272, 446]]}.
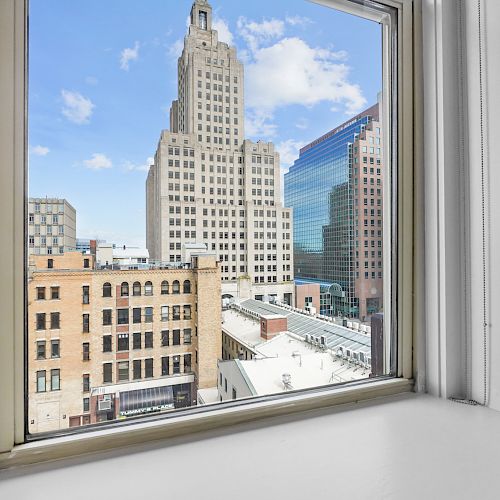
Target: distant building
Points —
{"points": [[335, 189], [110, 344], [87, 245], [51, 226], [122, 257], [209, 185]]}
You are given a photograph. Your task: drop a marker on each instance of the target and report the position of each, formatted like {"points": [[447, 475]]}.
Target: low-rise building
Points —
{"points": [[268, 349], [106, 344]]}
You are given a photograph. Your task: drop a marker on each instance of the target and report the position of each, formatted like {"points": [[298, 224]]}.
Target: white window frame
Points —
{"points": [[13, 449]]}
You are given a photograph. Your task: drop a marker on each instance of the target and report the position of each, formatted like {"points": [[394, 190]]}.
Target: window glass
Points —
{"points": [[253, 227]]}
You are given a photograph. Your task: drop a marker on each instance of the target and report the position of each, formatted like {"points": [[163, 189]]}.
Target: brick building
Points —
{"points": [[106, 344]]}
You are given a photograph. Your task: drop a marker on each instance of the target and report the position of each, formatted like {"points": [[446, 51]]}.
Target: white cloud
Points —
{"points": [[290, 72], [289, 151], [40, 150], [255, 34], [298, 21], [259, 124], [223, 30], [98, 162], [128, 55], [77, 108], [133, 167], [175, 50]]}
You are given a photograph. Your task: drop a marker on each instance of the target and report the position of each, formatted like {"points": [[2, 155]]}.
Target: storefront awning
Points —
{"points": [[146, 401]]}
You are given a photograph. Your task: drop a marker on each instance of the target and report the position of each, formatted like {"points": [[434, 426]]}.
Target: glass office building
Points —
{"points": [[335, 190]]}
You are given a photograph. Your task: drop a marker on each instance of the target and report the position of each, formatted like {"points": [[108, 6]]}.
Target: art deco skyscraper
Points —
{"points": [[209, 185]]}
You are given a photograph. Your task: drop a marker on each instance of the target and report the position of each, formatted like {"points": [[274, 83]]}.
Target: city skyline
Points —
{"points": [[78, 122]]}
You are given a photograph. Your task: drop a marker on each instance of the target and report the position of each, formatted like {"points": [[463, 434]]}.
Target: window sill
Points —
{"points": [[180, 424]]}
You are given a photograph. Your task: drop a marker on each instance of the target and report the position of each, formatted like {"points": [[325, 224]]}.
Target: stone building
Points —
{"points": [[208, 185], [106, 344], [51, 226]]}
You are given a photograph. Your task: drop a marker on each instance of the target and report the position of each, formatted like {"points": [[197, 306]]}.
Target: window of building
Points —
{"points": [[187, 363], [148, 368], [106, 290], [41, 381], [124, 289], [148, 340], [137, 369], [187, 287], [41, 349], [137, 343], [40, 321], [40, 293], [136, 315], [107, 373], [165, 338], [54, 293], [55, 351], [85, 294], [176, 287], [176, 337], [86, 351], [107, 343], [86, 382], [107, 317], [55, 379], [123, 342], [148, 288], [187, 335], [165, 366], [176, 313], [86, 405], [123, 371], [85, 323], [176, 364], [136, 289], [164, 288], [187, 311], [55, 321], [123, 316], [164, 313], [148, 314]]}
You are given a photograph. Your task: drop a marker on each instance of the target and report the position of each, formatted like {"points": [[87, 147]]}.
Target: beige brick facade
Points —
{"points": [[208, 184], [192, 321]]}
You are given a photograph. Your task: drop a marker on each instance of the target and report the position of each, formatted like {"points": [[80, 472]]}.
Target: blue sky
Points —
{"points": [[102, 76]]}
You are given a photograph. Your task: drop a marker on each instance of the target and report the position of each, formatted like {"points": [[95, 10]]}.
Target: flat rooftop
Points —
{"points": [[241, 327], [336, 336], [306, 371]]}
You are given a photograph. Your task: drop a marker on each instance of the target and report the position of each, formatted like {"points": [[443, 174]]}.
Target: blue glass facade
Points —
{"points": [[322, 188]]}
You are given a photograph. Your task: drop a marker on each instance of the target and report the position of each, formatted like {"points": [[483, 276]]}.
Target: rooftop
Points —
{"points": [[335, 336], [306, 371]]}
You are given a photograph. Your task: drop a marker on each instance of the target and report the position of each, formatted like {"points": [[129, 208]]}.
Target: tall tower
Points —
{"points": [[208, 184]]}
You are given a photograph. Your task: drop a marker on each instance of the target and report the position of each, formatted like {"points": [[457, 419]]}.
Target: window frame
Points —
{"points": [[13, 42]]}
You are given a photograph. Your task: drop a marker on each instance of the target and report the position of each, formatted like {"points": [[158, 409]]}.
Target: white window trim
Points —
{"points": [[12, 219]]}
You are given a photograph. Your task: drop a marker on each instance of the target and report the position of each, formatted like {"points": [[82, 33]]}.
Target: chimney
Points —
{"points": [[272, 325]]}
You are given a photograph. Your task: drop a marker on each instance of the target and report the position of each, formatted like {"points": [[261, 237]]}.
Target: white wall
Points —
{"points": [[491, 126], [453, 198]]}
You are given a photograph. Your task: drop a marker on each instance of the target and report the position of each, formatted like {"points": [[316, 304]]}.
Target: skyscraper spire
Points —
{"points": [[201, 15]]}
